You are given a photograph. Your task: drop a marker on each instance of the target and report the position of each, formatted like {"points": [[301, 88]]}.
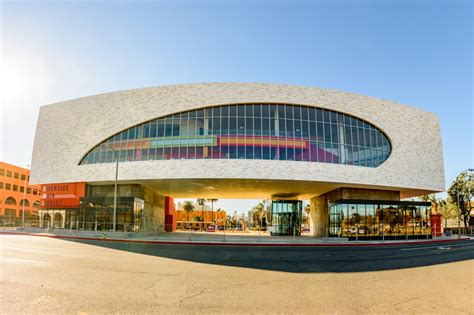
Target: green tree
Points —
{"points": [[447, 210], [188, 208], [461, 193], [201, 202], [230, 222], [257, 213], [431, 198], [254, 216], [306, 213], [444, 206]]}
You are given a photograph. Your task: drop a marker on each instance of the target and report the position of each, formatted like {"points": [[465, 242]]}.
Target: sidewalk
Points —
{"points": [[203, 238]]}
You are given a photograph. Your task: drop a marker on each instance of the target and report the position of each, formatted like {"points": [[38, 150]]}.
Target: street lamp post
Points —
{"points": [[459, 208], [23, 202], [115, 187]]}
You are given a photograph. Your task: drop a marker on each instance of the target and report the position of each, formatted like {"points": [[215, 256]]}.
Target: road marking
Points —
{"points": [[418, 248], [17, 261], [44, 299], [431, 247]]}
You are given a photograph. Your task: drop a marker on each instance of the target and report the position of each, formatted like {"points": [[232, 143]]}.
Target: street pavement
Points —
{"points": [[252, 237], [47, 275]]}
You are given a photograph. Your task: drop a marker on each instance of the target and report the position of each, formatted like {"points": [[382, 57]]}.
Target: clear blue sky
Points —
{"points": [[413, 52]]}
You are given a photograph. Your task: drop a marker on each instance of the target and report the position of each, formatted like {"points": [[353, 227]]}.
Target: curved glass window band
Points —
{"points": [[249, 131]]}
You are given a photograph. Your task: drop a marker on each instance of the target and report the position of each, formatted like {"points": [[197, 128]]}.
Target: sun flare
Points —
{"points": [[13, 82], [23, 78]]}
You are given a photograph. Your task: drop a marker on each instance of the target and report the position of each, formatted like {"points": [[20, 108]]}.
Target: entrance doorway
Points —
{"points": [[286, 217], [47, 221]]}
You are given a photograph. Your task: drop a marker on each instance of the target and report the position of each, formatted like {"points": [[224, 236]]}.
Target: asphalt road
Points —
{"points": [[307, 259], [44, 275]]}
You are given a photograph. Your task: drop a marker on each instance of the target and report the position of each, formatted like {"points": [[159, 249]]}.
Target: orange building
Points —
{"points": [[198, 219], [16, 193], [60, 205], [197, 215]]}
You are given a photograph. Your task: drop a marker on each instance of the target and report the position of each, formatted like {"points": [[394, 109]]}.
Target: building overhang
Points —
{"points": [[251, 188]]}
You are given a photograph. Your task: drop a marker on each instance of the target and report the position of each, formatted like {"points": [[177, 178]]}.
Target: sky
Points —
{"points": [[417, 53]]}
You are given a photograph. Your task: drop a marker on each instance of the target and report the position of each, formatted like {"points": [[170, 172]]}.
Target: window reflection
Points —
{"points": [[286, 217], [250, 131], [374, 220], [96, 213]]}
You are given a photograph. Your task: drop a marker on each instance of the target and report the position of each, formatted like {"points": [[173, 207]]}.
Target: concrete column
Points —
{"points": [[319, 216]]}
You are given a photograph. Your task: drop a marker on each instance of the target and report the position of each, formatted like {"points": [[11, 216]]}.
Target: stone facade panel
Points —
{"points": [[66, 131]]}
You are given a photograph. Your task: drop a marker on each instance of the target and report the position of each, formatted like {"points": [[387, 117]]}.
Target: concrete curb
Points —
{"points": [[240, 243]]}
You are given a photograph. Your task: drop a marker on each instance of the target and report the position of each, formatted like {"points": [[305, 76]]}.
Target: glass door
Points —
{"points": [[286, 217]]}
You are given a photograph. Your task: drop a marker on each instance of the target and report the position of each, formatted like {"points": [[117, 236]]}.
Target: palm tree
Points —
{"points": [[257, 213], [201, 202], [188, 208], [430, 198], [212, 200], [442, 206]]}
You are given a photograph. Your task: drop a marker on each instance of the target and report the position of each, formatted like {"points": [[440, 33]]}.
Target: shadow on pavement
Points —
{"points": [[305, 259]]}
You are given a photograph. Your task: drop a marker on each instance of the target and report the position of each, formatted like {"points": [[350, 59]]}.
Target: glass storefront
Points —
{"points": [[250, 131], [96, 213], [286, 217], [380, 220]]}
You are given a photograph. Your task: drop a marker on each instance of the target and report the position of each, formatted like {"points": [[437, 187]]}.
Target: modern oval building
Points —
{"points": [[354, 157]]}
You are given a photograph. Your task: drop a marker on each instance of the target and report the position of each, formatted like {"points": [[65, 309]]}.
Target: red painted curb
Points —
{"points": [[201, 243]]}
